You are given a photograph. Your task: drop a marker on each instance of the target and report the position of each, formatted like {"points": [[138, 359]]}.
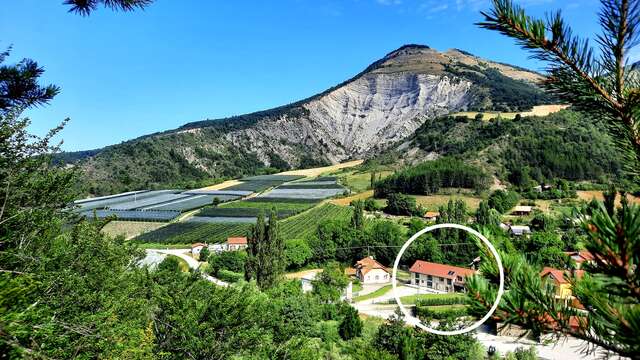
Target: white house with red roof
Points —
{"points": [[236, 243], [439, 277], [197, 247], [369, 271]]}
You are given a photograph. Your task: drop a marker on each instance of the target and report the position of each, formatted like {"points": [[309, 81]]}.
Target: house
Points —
{"points": [[522, 210], [580, 257], [369, 271], [439, 277], [431, 215], [559, 278], [519, 230], [196, 248], [236, 243]]}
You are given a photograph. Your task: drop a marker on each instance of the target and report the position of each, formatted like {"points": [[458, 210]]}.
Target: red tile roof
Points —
{"points": [[580, 256], [440, 270], [197, 244], [559, 275], [431, 214], [367, 264], [237, 241]]}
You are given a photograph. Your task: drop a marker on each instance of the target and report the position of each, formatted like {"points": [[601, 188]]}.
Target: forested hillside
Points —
{"points": [[566, 145]]}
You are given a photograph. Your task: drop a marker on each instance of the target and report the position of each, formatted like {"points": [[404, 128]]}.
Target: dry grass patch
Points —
{"points": [[222, 185], [322, 170], [130, 229], [588, 195], [539, 110], [432, 202], [345, 201]]}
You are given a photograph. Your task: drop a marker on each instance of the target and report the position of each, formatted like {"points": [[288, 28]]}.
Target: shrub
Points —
{"points": [[229, 276]]}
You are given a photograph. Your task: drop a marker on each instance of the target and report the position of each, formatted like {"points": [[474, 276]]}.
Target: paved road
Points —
{"points": [[155, 256]]}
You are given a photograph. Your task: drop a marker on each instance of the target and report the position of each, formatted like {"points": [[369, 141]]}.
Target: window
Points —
{"points": [[429, 277], [377, 277], [429, 284], [459, 278], [448, 281], [450, 272]]}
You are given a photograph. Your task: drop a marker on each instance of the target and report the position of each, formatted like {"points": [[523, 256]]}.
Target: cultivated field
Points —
{"points": [[130, 229], [192, 232], [305, 224]]}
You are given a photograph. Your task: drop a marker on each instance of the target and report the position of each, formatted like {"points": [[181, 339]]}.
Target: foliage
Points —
{"points": [[566, 144], [408, 343], [357, 218], [227, 260], [427, 178], [351, 325], [266, 261], [297, 252], [330, 283], [503, 200], [400, 204], [603, 86], [86, 7], [229, 276]]}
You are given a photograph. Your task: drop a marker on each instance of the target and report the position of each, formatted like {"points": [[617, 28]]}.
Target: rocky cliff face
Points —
{"points": [[365, 115], [379, 107]]}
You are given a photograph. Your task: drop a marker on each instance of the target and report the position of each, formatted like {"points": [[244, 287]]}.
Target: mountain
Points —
{"points": [[366, 114]]}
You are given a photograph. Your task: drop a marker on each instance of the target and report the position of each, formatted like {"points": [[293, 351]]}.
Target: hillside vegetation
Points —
{"points": [[566, 145]]}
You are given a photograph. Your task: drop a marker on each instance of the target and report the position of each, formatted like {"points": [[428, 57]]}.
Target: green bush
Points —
{"points": [[429, 312], [230, 276], [438, 301]]}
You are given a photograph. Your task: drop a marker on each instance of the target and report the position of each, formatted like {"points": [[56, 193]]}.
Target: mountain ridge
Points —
{"points": [[379, 106]]}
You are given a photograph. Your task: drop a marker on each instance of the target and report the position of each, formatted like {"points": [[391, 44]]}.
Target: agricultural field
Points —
{"points": [[306, 223], [133, 215], [192, 232], [242, 212], [262, 182], [130, 229], [280, 204], [190, 203]]}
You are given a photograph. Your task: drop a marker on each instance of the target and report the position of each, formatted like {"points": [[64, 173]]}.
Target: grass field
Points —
{"points": [[372, 295], [432, 202], [345, 201], [130, 229], [411, 299], [192, 232], [306, 223], [540, 110], [361, 181]]}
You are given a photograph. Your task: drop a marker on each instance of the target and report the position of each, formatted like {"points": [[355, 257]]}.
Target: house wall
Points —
{"points": [[375, 276], [432, 282]]}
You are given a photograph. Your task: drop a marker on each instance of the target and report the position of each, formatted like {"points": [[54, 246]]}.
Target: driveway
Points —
{"points": [[155, 256]]}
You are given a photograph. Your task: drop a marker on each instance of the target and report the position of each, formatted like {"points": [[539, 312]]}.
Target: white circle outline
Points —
{"points": [[417, 321]]}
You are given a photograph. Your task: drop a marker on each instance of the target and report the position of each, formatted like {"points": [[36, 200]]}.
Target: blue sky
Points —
{"points": [[128, 74]]}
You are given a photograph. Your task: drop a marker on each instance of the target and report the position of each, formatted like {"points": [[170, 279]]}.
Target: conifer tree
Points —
{"points": [[602, 85]]}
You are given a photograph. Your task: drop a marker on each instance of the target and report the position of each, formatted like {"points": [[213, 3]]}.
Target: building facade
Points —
{"points": [[439, 277]]}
